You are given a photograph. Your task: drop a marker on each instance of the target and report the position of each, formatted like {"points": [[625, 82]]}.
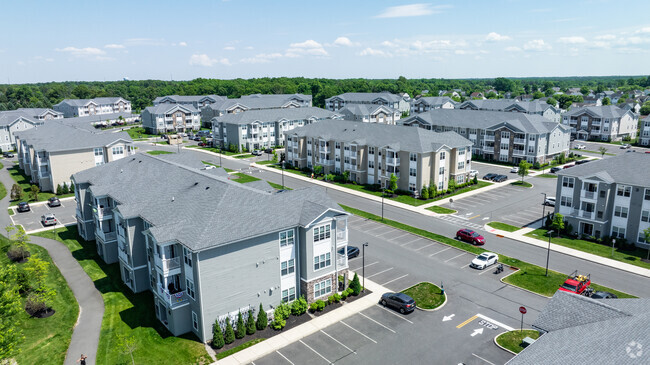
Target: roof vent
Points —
{"points": [[140, 161], [172, 198], [196, 183], [121, 171], [207, 187]]}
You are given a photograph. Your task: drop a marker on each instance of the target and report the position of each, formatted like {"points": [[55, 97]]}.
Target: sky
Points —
{"points": [[61, 40]]}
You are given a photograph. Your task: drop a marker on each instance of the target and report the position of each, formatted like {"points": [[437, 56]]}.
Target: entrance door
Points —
{"points": [[587, 229]]}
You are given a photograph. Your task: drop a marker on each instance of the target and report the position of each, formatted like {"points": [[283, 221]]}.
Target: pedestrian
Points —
{"points": [[82, 359]]}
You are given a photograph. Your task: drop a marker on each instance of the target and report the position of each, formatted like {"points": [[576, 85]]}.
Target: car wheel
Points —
{"points": [[383, 302], [401, 310]]}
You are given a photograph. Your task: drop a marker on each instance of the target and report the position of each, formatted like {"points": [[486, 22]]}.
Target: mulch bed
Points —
{"points": [[41, 313], [333, 306]]}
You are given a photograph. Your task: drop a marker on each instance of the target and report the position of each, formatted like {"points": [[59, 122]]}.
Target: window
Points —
{"points": [[187, 256], [371, 164], [566, 201], [287, 267], [322, 261], [504, 146], [413, 157], [442, 155], [460, 179], [647, 194], [411, 187], [371, 150], [322, 232], [286, 238], [189, 287], [645, 216], [505, 135], [289, 295], [322, 288], [461, 152], [620, 212], [195, 321], [412, 172], [440, 185], [623, 190], [337, 145], [461, 165], [567, 182], [618, 232], [441, 171], [99, 152]]}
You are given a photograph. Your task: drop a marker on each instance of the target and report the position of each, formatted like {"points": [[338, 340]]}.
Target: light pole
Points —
{"points": [[382, 203], [613, 242], [548, 251], [363, 264], [543, 208]]}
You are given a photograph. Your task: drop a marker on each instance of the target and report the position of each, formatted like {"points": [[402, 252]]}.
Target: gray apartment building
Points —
{"points": [[83, 107], [197, 101], [512, 105], [13, 121], [501, 136], [426, 103], [370, 113], [372, 152], [254, 102], [601, 123], [171, 118], [608, 197], [644, 136], [258, 129], [399, 102], [208, 247]]}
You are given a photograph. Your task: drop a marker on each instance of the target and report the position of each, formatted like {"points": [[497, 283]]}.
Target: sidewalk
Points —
{"points": [[287, 337]]}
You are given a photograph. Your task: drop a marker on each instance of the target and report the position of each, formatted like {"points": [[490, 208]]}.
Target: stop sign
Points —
{"points": [[522, 310]]}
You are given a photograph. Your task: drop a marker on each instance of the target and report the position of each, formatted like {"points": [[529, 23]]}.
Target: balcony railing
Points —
{"points": [[341, 235], [488, 149], [520, 140], [175, 299], [106, 236], [519, 152], [588, 194], [392, 161], [171, 264], [488, 137], [341, 261]]}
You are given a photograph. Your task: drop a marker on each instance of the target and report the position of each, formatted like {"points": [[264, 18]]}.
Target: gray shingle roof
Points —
{"points": [[188, 98], [588, 331], [260, 101], [167, 108], [400, 138], [533, 106], [274, 115], [627, 168], [54, 136], [197, 208], [367, 97], [88, 120], [603, 111], [36, 112], [484, 119], [364, 109], [434, 101], [10, 116], [100, 101]]}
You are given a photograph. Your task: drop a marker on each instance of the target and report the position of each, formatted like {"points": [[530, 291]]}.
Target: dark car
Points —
{"points": [[555, 169], [500, 178], [196, 138], [470, 236], [603, 295], [568, 166], [399, 301], [54, 202], [580, 162], [201, 144], [268, 150], [23, 207], [8, 154], [490, 176], [353, 251]]}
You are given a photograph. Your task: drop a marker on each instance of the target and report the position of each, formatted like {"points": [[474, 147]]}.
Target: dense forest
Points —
{"points": [[141, 93]]}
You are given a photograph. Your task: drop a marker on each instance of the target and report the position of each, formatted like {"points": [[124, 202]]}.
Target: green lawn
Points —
{"points": [[547, 176], [21, 179], [243, 178], [210, 163], [529, 276], [215, 150], [243, 156], [278, 186], [630, 257], [139, 132], [266, 162], [426, 295], [503, 226], [598, 152], [441, 210], [523, 184], [10, 211], [128, 314], [512, 340], [224, 354], [159, 152], [46, 339], [3, 191]]}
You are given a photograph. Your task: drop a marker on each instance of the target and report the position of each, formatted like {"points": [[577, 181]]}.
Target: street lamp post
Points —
{"points": [[543, 208], [613, 242], [382, 202], [548, 251], [363, 264]]}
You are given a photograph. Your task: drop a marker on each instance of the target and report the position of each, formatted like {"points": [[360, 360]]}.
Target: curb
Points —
{"points": [[501, 347], [434, 309]]}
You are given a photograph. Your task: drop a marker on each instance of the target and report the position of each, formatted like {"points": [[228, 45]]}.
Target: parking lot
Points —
{"points": [[31, 221]]}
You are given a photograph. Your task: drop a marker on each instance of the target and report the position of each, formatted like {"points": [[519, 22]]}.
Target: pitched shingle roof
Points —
{"points": [[188, 98], [99, 101], [603, 111], [626, 168], [367, 97], [434, 101], [533, 106], [274, 115], [10, 116], [167, 108], [365, 109], [260, 101], [54, 136]]}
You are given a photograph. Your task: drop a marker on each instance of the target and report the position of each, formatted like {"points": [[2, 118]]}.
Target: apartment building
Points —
{"points": [[254, 102], [399, 102], [426, 103], [52, 152], [502, 136], [92, 122], [370, 113], [512, 105], [170, 118], [258, 129], [41, 113], [644, 136], [372, 152], [83, 107], [197, 101], [608, 197], [13, 121], [203, 238], [601, 123]]}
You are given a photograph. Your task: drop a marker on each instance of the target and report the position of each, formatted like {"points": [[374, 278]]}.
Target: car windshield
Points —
{"points": [[474, 234], [569, 286], [482, 258]]}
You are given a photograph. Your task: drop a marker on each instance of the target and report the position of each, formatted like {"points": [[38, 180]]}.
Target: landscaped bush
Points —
{"points": [[299, 306], [241, 329], [355, 285], [34, 305], [313, 307], [230, 333], [280, 315], [337, 297], [330, 299], [250, 323], [17, 253], [320, 305], [217, 336], [344, 294], [262, 319]]}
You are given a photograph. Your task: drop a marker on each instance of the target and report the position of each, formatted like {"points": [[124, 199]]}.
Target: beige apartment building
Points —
{"points": [[370, 153]]}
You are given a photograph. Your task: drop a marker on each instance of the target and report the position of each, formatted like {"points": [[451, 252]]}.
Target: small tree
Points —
{"points": [[433, 191], [33, 192], [262, 319], [523, 169], [475, 179], [11, 304], [241, 328], [393, 183], [318, 170], [346, 176], [607, 101], [230, 333], [646, 236], [127, 345], [217, 335], [602, 151], [275, 157], [59, 190], [71, 190], [355, 285], [425, 193], [558, 223], [65, 188], [250, 324], [16, 192]]}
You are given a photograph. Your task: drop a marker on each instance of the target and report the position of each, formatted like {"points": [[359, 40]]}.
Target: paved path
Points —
{"points": [[85, 336]]}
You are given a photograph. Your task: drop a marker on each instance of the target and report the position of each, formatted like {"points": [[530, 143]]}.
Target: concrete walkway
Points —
{"points": [[287, 337], [85, 336]]}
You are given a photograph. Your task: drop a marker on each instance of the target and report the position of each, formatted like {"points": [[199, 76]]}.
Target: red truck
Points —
{"points": [[577, 284]]}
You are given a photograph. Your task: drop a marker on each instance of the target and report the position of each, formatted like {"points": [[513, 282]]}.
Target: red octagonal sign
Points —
{"points": [[522, 310]]}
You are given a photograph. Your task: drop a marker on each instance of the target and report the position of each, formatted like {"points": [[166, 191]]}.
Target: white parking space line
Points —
{"points": [[376, 262], [409, 242], [464, 266], [475, 355], [355, 330], [388, 282], [455, 257], [444, 249], [284, 357], [400, 236], [429, 245], [393, 313], [337, 341], [484, 271], [377, 322], [381, 272], [316, 352], [390, 231], [379, 227]]}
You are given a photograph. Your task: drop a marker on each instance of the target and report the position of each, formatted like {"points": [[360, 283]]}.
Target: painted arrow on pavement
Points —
{"points": [[448, 318], [477, 332]]}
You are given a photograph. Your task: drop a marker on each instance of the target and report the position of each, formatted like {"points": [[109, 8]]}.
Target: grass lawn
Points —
{"points": [[503, 226], [224, 354], [630, 257], [512, 340], [278, 186], [21, 179], [128, 314], [265, 162], [215, 150], [530, 277], [159, 152], [10, 211], [210, 163], [3, 191], [46, 339], [426, 295], [243, 156], [441, 210], [547, 176], [606, 153], [139, 132], [243, 178], [524, 184]]}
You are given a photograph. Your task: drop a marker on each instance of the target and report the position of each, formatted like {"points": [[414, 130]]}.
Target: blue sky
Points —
{"points": [[180, 40]]}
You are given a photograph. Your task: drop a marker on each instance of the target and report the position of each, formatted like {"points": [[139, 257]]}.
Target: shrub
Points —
{"points": [[34, 305], [344, 295], [250, 323], [355, 285], [217, 336], [279, 318], [284, 310], [330, 299], [313, 307], [425, 193], [241, 329], [475, 181], [59, 190], [299, 306], [71, 188], [262, 319], [433, 191], [278, 324], [16, 192], [17, 253], [337, 297], [65, 188], [230, 333], [320, 305]]}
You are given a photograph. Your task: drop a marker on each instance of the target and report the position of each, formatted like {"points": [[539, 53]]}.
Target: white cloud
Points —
{"points": [[605, 37], [114, 46], [643, 30], [374, 52], [537, 45], [206, 61], [572, 40], [229, 48], [309, 47], [262, 58], [513, 49], [182, 44], [344, 41], [411, 10], [82, 52], [496, 37], [306, 44], [388, 44]]}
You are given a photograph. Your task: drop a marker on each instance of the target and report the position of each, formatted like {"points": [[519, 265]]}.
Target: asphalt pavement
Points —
{"points": [[31, 221]]}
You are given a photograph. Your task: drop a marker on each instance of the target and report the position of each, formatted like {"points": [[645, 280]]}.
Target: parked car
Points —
{"points": [[201, 144], [580, 162], [470, 236], [484, 260], [399, 301], [625, 146], [54, 202], [196, 138], [489, 176], [353, 251], [568, 166], [23, 207], [580, 147], [209, 167], [603, 295], [515, 169], [48, 220], [500, 178], [8, 155], [268, 150], [473, 173], [550, 201], [630, 151], [555, 169], [256, 153]]}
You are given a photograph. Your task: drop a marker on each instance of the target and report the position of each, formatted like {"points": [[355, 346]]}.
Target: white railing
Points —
{"points": [[341, 261], [175, 299], [341, 235], [520, 140], [171, 264], [588, 194], [488, 137], [392, 161], [488, 149], [519, 152]]}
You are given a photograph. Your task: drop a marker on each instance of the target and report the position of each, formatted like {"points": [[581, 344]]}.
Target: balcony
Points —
{"points": [[169, 264], [593, 122], [106, 236], [43, 160], [341, 261], [341, 236], [519, 152], [520, 140], [489, 137], [583, 214], [588, 194], [488, 149], [173, 299], [392, 161], [103, 213], [123, 254]]}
